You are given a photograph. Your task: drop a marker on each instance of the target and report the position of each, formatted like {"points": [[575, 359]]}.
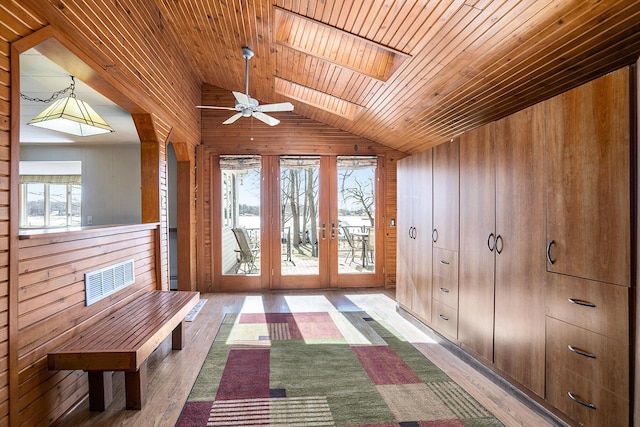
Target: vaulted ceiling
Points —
{"points": [[407, 74]]}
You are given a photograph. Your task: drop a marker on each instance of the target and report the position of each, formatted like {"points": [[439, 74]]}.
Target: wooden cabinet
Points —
{"points": [[414, 254], [519, 332], [588, 175], [445, 292], [446, 195], [588, 350], [542, 290], [477, 238], [589, 236], [501, 312]]}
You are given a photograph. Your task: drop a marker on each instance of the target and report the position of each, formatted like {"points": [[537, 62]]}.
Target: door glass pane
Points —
{"points": [[356, 214], [299, 215], [240, 215]]}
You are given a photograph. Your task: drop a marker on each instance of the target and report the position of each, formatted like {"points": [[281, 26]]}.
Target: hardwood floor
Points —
{"points": [[172, 373]]}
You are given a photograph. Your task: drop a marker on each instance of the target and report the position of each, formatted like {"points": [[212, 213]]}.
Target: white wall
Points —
{"points": [[110, 179]]}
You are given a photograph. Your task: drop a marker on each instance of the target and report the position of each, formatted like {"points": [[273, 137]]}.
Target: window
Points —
{"points": [[48, 198]]}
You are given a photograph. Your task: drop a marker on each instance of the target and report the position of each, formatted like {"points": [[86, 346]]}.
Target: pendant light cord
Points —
{"points": [[55, 95]]}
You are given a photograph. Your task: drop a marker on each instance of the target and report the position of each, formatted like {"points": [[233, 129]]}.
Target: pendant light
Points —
{"points": [[70, 115]]}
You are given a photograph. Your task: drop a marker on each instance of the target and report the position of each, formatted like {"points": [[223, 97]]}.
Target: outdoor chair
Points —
{"points": [[245, 254]]}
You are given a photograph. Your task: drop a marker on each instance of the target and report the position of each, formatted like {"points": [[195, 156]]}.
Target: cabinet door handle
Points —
{"points": [[413, 232], [444, 290], [577, 400], [581, 302], [434, 235], [444, 262], [499, 239], [333, 230], [551, 243], [443, 317], [491, 242], [324, 230], [581, 352]]}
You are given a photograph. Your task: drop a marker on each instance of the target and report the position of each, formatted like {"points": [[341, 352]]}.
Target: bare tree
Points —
{"points": [[362, 193]]}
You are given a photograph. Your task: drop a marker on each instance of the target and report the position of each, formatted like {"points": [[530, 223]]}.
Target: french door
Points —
{"points": [[299, 222]]}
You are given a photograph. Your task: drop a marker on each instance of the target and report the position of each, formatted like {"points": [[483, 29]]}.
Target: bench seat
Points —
{"points": [[122, 342]]}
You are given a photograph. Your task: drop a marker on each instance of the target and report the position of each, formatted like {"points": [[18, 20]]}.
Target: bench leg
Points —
{"points": [[177, 337], [100, 390], [135, 384]]}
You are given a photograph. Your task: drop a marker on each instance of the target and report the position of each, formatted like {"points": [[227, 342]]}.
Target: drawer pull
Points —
{"points": [[444, 290], [582, 303], [444, 262], [581, 352], [575, 399], [443, 317]]}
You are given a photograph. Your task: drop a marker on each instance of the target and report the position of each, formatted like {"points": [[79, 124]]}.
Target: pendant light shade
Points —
{"points": [[73, 116]]}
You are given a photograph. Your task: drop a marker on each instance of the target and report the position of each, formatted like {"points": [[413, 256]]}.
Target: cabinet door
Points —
{"points": [[446, 195], [477, 236], [413, 285], [422, 248], [588, 175], [405, 288], [519, 336]]}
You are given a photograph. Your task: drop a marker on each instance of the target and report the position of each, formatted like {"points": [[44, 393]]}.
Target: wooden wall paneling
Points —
{"points": [[635, 303], [152, 67], [156, 84], [52, 307], [539, 66], [391, 209]]}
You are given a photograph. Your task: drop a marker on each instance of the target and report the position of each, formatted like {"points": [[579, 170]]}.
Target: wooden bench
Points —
{"points": [[122, 342]]}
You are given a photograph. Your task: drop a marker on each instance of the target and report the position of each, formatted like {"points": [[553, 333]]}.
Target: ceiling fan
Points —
{"points": [[249, 107]]}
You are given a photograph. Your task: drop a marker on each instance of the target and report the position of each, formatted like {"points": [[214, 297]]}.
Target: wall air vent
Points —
{"points": [[106, 281]]}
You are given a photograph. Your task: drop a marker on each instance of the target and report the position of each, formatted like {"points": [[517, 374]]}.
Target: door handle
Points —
{"points": [[551, 261], [434, 235], [491, 242], [333, 230], [324, 230], [499, 238]]}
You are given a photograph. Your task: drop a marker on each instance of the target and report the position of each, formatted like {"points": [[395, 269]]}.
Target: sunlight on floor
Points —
{"points": [[378, 305], [385, 307], [252, 304]]}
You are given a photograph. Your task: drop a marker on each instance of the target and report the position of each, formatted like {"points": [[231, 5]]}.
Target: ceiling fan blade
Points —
{"points": [[232, 119], [271, 121], [283, 106], [242, 98], [211, 107]]}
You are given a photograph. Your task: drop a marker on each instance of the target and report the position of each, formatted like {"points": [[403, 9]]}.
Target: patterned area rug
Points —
{"points": [[323, 369]]}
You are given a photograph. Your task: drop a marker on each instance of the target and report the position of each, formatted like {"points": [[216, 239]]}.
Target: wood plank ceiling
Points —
{"points": [[406, 74]]}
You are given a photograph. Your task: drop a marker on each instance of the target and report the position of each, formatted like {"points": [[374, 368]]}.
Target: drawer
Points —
{"points": [[445, 276], [445, 320], [603, 360], [607, 408], [598, 307]]}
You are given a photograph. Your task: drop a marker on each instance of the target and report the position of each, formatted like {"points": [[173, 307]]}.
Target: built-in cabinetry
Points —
{"points": [[446, 237], [502, 225], [588, 157], [540, 284], [413, 266]]}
